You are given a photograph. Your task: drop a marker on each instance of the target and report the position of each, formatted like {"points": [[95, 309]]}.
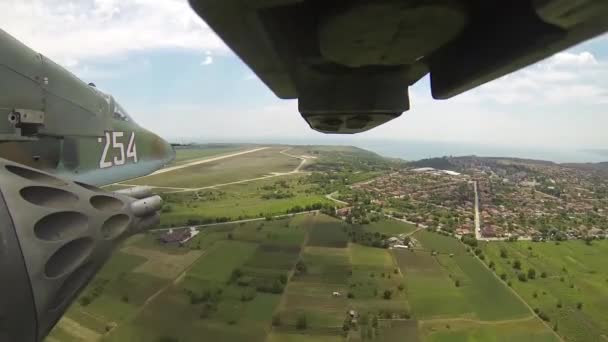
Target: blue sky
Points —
{"points": [[175, 77]]}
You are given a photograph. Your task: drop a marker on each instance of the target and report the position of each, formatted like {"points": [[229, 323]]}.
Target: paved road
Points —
{"points": [[478, 235], [271, 175], [208, 160], [477, 223]]}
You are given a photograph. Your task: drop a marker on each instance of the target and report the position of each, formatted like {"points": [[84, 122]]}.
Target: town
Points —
{"points": [[491, 198]]}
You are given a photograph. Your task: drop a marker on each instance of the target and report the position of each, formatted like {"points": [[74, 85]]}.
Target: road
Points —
{"points": [[331, 198], [422, 226], [234, 222], [208, 160], [478, 235], [477, 219], [297, 170]]}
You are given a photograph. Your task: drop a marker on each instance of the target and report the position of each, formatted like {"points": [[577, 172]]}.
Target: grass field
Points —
{"points": [[457, 298], [398, 331], [573, 273], [208, 301], [247, 166], [467, 331], [114, 294], [232, 254], [390, 227], [439, 243], [328, 232], [238, 201]]}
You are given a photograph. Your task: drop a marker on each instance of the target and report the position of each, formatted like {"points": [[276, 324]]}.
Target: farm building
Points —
{"points": [[178, 237], [343, 212]]}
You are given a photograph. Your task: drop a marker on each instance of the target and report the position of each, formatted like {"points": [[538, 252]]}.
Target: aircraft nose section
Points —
{"points": [[162, 150], [168, 150]]}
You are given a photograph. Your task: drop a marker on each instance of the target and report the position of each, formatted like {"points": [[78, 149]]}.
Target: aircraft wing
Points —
{"points": [[350, 62]]}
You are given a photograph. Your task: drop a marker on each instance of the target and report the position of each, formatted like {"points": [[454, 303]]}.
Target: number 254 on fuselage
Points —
{"points": [[51, 120]]}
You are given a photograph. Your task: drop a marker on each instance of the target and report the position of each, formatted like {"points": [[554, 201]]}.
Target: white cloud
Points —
{"points": [[568, 59], [70, 32], [563, 78], [208, 59]]}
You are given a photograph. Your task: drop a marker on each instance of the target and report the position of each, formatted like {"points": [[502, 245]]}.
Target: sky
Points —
{"points": [[177, 78]]}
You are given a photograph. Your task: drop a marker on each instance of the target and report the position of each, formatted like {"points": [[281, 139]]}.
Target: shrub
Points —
{"points": [[517, 265], [522, 277], [302, 323], [84, 301]]}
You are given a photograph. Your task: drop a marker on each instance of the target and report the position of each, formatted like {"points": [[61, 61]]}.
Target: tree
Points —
{"points": [[492, 265], [388, 294], [375, 322], [503, 253], [503, 276], [543, 275], [302, 323], [276, 320], [301, 267], [522, 277], [457, 283], [531, 273], [517, 265], [579, 305], [84, 301]]}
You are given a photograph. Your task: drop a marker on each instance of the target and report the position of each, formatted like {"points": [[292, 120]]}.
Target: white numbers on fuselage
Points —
{"points": [[115, 141]]}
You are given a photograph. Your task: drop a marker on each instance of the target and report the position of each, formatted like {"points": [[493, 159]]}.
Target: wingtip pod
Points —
{"points": [[55, 235], [147, 206], [138, 192]]}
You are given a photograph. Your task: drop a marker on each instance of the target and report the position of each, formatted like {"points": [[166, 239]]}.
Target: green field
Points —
{"points": [[215, 300], [574, 273], [328, 232], [112, 297], [390, 227], [457, 298], [238, 201], [467, 331], [232, 254], [247, 166]]}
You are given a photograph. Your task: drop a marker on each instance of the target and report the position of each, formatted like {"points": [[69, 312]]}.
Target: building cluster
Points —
{"points": [[540, 201], [516, 198], [425, 196]]}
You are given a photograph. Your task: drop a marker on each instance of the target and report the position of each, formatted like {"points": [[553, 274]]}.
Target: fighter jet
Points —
{"points": [[348, 62], [59, 139]]}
